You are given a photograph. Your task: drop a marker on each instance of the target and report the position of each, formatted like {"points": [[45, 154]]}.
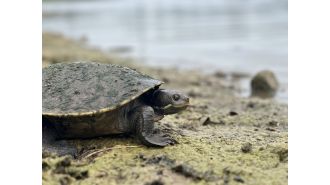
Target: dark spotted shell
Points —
{"points": [[84, 88]]}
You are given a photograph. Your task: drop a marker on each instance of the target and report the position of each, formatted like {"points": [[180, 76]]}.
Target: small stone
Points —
{"points": [[250, 105], [238, 178], [141, 156], [246, 147], [66, 180], [155, 182], [187, 171], [270, 129], [205, 120], [273, 123], [160, 172], [208, 121], [233, 113], [264, 84]]}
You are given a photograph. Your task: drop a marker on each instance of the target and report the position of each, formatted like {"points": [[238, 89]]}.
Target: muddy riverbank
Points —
{"points": [[222, 138]]}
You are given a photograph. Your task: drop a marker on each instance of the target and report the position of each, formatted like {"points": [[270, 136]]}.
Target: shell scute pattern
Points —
{"points": [[84, 87]]}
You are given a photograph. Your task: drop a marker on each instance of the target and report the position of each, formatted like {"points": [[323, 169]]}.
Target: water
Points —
{"points": [[209, 35]]}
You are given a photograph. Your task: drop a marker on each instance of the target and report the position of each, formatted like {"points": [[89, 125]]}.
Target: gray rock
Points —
{"points": [[264, 84]]}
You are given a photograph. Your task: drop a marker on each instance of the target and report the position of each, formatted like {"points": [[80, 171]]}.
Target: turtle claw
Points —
{"points": [[158, 141]]}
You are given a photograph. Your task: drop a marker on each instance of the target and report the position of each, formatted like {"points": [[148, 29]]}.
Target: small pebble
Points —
{"points": [[246, 147], [238, 178], [270, 129], [233, 113], [273, 123], [155, 182], [250, 105]]}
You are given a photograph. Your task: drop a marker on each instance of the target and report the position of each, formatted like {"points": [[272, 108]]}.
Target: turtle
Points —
{"points": [[83, 99]]}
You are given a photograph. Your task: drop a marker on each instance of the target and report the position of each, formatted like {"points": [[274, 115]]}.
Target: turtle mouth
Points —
{"points": [[176, 106], [181, 106], [171, 109]]}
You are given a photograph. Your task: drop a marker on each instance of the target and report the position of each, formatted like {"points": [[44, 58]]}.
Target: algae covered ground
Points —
{"points": [[222, 138]]}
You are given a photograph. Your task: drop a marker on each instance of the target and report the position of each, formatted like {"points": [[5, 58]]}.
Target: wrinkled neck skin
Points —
{"points": [[163, 102], [157, 102]]}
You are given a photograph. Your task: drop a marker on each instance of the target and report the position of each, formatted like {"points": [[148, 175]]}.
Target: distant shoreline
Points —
{"points": [[230, 36]]}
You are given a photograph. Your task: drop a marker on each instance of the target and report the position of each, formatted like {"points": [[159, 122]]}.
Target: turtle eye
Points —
{"points": [[176, 97]]}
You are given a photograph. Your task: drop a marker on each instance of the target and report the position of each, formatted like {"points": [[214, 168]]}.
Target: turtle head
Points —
{"points": [[169, 101]]}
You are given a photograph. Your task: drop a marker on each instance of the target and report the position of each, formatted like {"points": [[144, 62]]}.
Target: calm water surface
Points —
{"points": [[227, 35]]}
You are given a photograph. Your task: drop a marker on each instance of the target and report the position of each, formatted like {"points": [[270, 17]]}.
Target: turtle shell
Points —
{"points": [[84, 88]]}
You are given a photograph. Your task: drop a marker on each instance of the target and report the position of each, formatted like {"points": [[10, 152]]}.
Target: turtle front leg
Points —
{"points": [[142, 121]]}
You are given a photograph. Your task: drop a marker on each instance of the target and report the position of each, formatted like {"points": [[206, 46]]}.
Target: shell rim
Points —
{"points": [[103, 110]]}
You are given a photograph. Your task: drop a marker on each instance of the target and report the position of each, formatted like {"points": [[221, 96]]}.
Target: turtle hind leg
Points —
{"points": [[142, 118], [52, 146], [59, 148]]}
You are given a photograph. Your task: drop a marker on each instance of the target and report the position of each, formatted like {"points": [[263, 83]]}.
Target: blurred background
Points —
{"points": [[233, 36]]}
